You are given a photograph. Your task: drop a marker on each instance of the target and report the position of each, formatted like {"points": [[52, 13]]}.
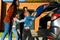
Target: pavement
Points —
{"points": [[33, 34], [26, 39]]}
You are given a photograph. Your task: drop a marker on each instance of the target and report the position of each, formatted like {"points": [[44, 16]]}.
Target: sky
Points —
{"points": [[12, 0]]}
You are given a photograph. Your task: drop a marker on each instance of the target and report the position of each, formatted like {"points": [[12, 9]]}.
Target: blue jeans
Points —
{"points": [[15, 32], [7, 30]]}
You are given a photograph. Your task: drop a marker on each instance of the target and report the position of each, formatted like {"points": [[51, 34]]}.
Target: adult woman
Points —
{"points": [[27, 24], [22, 24], [8, 20]]}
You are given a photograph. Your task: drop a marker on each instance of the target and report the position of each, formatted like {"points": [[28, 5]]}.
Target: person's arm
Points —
{"points": [[20, 20], [34, 14], [32, 17]]}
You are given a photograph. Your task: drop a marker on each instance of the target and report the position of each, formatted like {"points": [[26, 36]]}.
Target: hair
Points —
{"points": [[17, 14], [23, 11], [13, 3], [15, 9]]}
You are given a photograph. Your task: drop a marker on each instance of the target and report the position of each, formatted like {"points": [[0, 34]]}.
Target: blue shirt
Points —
{"points": [[27, 21], [15, 22]]}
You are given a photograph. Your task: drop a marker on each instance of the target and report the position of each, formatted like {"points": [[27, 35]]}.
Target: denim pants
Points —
{"points": [[14, 30], [7, 30]]}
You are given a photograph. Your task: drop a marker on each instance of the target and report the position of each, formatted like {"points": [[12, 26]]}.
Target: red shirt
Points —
{"points": [[8, 16]]}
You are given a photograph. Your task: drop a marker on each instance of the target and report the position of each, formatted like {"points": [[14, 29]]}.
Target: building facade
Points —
{"points": [[30, 5]]}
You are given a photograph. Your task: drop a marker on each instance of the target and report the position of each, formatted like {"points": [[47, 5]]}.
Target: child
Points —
{"points": [[15, 22], [27, 24]]}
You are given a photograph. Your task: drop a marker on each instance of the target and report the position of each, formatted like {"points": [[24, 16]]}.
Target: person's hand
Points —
{"points": [[14, 19], [33, 14]]}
